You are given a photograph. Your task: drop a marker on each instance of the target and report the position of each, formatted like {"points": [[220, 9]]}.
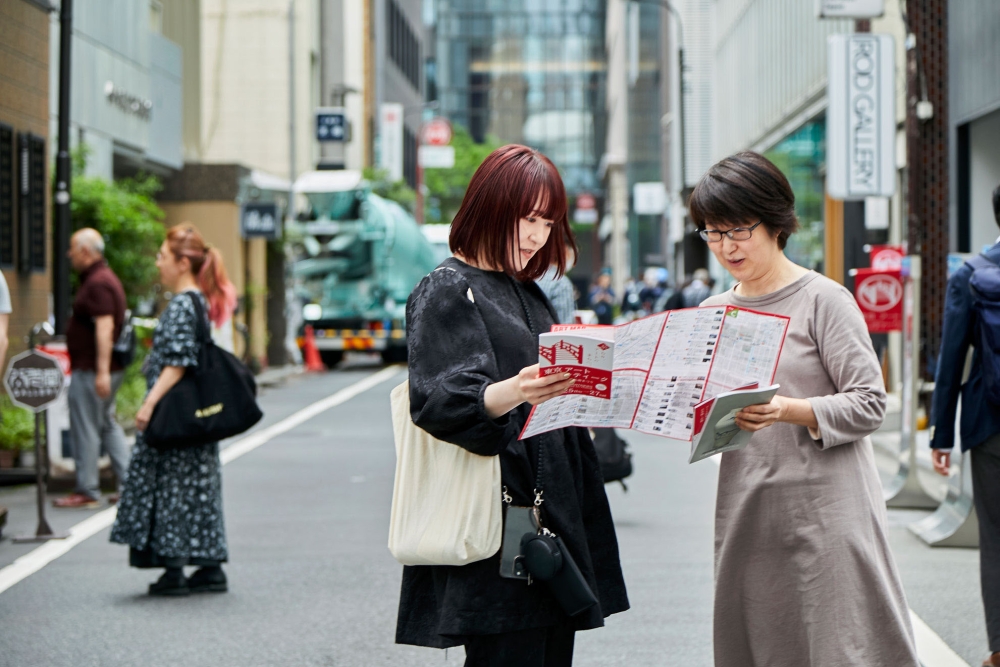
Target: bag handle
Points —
{"points": [[201, 332], [539, 467]]}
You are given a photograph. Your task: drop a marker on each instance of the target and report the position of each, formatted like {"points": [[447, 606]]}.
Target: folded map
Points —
{"points": [[660, 368]]}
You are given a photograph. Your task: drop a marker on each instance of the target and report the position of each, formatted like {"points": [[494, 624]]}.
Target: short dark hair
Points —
{"points": [[505, 188], [996, 205], [742, 189]]}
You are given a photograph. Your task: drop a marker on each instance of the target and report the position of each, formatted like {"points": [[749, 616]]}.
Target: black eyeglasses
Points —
{"points": [[738, 234]]}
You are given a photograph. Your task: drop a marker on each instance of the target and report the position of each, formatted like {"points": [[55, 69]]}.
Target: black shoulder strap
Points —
{"points": [[202, 333]]}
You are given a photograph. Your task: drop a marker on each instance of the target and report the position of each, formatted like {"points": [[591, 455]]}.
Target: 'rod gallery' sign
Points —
{"points": [[861, 130]]}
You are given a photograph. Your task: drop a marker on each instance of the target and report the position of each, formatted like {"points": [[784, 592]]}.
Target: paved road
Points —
{"points": [[312, 582]]}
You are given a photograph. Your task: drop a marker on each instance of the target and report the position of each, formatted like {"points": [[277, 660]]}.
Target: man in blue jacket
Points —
{"points": [[980, 430]]}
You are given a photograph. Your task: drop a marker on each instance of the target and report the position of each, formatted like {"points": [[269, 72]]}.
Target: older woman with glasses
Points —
{"points": [[803, 570]]}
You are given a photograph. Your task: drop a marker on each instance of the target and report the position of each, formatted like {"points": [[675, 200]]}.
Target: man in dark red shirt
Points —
{"points": [[98, 316]]}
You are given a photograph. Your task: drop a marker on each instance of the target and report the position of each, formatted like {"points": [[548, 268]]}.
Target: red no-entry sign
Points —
{"points": [[880, 296], [437, 132]]}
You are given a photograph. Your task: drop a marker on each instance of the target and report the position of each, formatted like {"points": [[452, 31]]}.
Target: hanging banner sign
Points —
{"points": [[331, 124], [861, 118], [260, 221], [391, 140], [880, 296]]}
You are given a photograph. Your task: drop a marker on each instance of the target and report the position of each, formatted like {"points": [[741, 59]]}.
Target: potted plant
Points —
{"points": [[17, 431]]}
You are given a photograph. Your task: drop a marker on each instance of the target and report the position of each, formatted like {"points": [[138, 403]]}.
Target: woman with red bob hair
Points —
{"points": [[473, 327]]}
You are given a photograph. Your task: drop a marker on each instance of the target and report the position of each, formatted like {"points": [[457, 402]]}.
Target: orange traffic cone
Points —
{"points": [[310, 353]]}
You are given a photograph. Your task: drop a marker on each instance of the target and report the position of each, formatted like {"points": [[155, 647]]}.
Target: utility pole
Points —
{"points": [[615, 156], [60, 244], [290, 212]]}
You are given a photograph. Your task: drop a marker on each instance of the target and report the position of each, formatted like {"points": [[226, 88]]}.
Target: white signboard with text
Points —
{"points": [[850, 9], [391, 140], [649, 198], [861, 118]]}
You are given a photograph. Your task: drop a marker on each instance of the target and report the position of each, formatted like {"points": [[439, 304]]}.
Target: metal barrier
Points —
{"points": [[954, 523]]}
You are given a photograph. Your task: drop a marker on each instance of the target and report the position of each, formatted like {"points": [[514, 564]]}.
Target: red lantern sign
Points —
{"points": [[880, 297]]}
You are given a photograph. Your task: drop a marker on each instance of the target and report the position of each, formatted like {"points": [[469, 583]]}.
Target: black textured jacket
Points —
{"points": [[466, 330]]}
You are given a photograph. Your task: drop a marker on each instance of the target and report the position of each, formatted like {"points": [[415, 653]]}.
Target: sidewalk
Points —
{"points": [[941, 584]]}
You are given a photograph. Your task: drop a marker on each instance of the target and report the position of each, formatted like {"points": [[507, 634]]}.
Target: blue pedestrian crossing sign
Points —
{"points": [[331, 124]]}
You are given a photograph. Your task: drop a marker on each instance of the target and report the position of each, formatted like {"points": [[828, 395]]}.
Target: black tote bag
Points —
{"points": [[214, 400]]}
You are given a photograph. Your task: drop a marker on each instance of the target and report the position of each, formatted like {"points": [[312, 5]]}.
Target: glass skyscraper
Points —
{"points": [[526, 71]]}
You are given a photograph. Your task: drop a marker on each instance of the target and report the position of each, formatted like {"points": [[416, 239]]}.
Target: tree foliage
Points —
{"points": [[126, 215], [397, 191], [446, 187]]}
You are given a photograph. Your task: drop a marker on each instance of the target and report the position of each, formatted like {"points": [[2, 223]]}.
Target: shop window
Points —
{"points": [[404, 49], [801, 156], [6, 196], [31, 203]]}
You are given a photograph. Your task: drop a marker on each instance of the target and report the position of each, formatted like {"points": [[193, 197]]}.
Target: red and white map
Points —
{"points": [[660, 368], [587, 355]]}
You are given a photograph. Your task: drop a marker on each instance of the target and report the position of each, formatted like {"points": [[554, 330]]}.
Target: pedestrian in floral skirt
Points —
{"points": [[170, 513]]}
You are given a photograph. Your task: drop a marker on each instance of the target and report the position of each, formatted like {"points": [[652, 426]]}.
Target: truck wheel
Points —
{"points": [[331, 357], [394, 355]]}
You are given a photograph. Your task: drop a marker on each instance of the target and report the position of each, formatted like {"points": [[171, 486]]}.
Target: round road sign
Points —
{"points": [[34, 380], [437, 132]]}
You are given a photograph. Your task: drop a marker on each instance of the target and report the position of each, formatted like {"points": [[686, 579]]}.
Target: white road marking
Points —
{"points": [[35, 560], [931, 649]]}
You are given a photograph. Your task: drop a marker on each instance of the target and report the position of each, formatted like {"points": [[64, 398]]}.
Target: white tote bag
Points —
{"points": [[446, 501]]}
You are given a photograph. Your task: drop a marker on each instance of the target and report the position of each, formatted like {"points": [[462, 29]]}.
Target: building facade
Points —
{"points": [[769, 87], [974, 100], [525, 72], [373, 57], [25, 206], [126, 88], [246, 60]]}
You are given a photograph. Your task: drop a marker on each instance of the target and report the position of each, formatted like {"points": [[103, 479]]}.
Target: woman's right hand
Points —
{"points": [[535, 388], [525, 387]]}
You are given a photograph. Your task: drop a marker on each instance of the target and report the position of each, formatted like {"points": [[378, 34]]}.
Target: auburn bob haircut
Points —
{"points": [[513, 182]]}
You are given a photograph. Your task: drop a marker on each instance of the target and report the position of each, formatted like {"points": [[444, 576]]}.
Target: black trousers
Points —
{"points": [[986, 495], [538, 647]]}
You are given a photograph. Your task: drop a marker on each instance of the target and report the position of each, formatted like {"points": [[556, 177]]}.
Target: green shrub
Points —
{"points": [[17, 426], [126, 215], [130, 395]]}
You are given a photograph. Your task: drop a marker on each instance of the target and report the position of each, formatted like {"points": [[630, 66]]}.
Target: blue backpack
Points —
{"points": [[985, 287]]}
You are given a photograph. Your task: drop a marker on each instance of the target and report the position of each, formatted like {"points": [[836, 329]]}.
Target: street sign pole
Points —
{"points": [[34, 381], [44, 532]]}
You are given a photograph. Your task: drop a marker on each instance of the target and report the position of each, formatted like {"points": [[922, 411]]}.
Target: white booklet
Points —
{"points": [[661, 367], [715, 429]]}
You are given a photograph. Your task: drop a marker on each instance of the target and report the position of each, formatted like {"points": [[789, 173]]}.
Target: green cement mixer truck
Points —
{"points": [[360, 256]]}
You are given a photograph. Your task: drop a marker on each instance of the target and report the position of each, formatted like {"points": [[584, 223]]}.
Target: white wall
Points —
{"points": [[984, 150], [244, 84], [355, 43], [770, 68]]}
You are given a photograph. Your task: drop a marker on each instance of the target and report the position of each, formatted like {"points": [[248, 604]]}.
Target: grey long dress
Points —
{"points": [[803, 571]]}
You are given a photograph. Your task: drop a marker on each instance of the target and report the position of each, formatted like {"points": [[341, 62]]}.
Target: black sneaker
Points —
{"points": [[170, 584], [208, 580]]}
